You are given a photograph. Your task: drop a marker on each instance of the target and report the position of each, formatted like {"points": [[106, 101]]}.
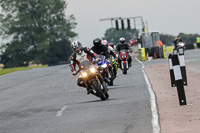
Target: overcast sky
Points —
{"points": [[165, 16]]}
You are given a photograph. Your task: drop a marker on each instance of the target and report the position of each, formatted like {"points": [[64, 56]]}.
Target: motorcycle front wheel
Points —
{"points": [[98, 89], [125, 69]]}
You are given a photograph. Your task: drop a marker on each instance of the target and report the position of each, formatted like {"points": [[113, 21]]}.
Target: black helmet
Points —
{"points": [[97, 42], [180, 39]]}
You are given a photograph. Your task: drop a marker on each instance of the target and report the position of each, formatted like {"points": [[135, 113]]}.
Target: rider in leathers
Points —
{"points": [[101, 49], [80, 54], [111, 51], [122, 45]]}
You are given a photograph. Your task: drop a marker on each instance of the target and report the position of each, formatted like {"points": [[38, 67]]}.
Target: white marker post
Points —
{"points": [[182, 65], [171, 71], [178, 78]]}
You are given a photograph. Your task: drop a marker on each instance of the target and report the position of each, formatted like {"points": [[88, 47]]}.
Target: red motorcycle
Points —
{"points": [[124, 61]]}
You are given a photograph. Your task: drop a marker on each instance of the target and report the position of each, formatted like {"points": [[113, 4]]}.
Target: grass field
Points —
{"points": [[169, 49], [10, 70]]}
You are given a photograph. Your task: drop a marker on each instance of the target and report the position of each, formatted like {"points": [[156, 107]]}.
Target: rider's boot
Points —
{"points": [[89, 91]]}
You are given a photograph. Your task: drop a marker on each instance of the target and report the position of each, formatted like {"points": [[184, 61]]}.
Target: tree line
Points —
{"points": [[167, 39], [36, 31], [113, 35]]}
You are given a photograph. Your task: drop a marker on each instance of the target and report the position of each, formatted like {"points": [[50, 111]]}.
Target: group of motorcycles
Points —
{"points": [[101, 72]]}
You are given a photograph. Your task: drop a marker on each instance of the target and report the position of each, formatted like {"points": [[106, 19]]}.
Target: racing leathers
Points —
{"points": [[120, 47], [102, 50], [77, 58], [112, 53]]}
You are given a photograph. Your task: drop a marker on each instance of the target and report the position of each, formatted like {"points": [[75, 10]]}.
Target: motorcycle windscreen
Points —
{"points": [[123, 51], [85, 64]]}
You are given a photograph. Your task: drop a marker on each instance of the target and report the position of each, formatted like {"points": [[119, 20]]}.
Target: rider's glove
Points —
{"points": [[74, 73], [108, 60]]}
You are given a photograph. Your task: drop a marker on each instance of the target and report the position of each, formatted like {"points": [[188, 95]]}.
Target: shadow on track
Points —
{"points": [[95, 101]]}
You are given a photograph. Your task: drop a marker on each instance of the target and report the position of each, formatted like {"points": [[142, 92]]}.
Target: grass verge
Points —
{"points": [[10, 70], [169, 49]]}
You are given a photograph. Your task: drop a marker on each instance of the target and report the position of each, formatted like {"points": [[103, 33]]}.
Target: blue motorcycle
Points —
{"points": [[103, 65]]}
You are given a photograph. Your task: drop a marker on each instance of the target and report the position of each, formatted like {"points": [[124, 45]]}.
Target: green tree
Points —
{"points": [[38, 30], [167, 39], [113, 35], [188, 38]]}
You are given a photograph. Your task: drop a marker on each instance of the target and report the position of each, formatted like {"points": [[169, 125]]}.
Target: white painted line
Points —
{"points": [[154, 121], [59, 113]]}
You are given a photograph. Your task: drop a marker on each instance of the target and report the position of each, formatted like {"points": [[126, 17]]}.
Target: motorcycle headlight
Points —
{"points": [[92, 70], [104, 65], [84, 74]]}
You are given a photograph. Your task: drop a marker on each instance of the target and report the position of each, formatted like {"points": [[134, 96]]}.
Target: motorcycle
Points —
{"points": [[112, 70], [93, 80], [103, 68], [124, 61], [181, 45]]}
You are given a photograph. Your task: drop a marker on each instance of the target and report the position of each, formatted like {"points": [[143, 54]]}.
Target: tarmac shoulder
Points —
{"points": [[173, 117]]}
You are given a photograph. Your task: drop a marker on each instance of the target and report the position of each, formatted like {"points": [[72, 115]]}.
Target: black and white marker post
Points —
{"points": [[182, 65], [178, 78], [171, 71]]}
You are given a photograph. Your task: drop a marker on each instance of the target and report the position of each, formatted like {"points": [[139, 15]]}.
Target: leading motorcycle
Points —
{"points": [[93, 80]]}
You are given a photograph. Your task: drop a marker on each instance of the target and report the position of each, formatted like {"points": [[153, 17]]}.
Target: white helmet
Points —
{"points": [[76, 45], [104, 42], [122, 40]]}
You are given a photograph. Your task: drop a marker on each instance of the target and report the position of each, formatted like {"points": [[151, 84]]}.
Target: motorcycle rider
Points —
{"points": [[80, 54], [176, 41], [123, 45], [111, 51], [101, 49], [181, 43], [111, 44]]}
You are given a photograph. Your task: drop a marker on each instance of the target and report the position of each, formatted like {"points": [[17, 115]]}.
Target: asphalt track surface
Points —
{"points": [[47, 100]]}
